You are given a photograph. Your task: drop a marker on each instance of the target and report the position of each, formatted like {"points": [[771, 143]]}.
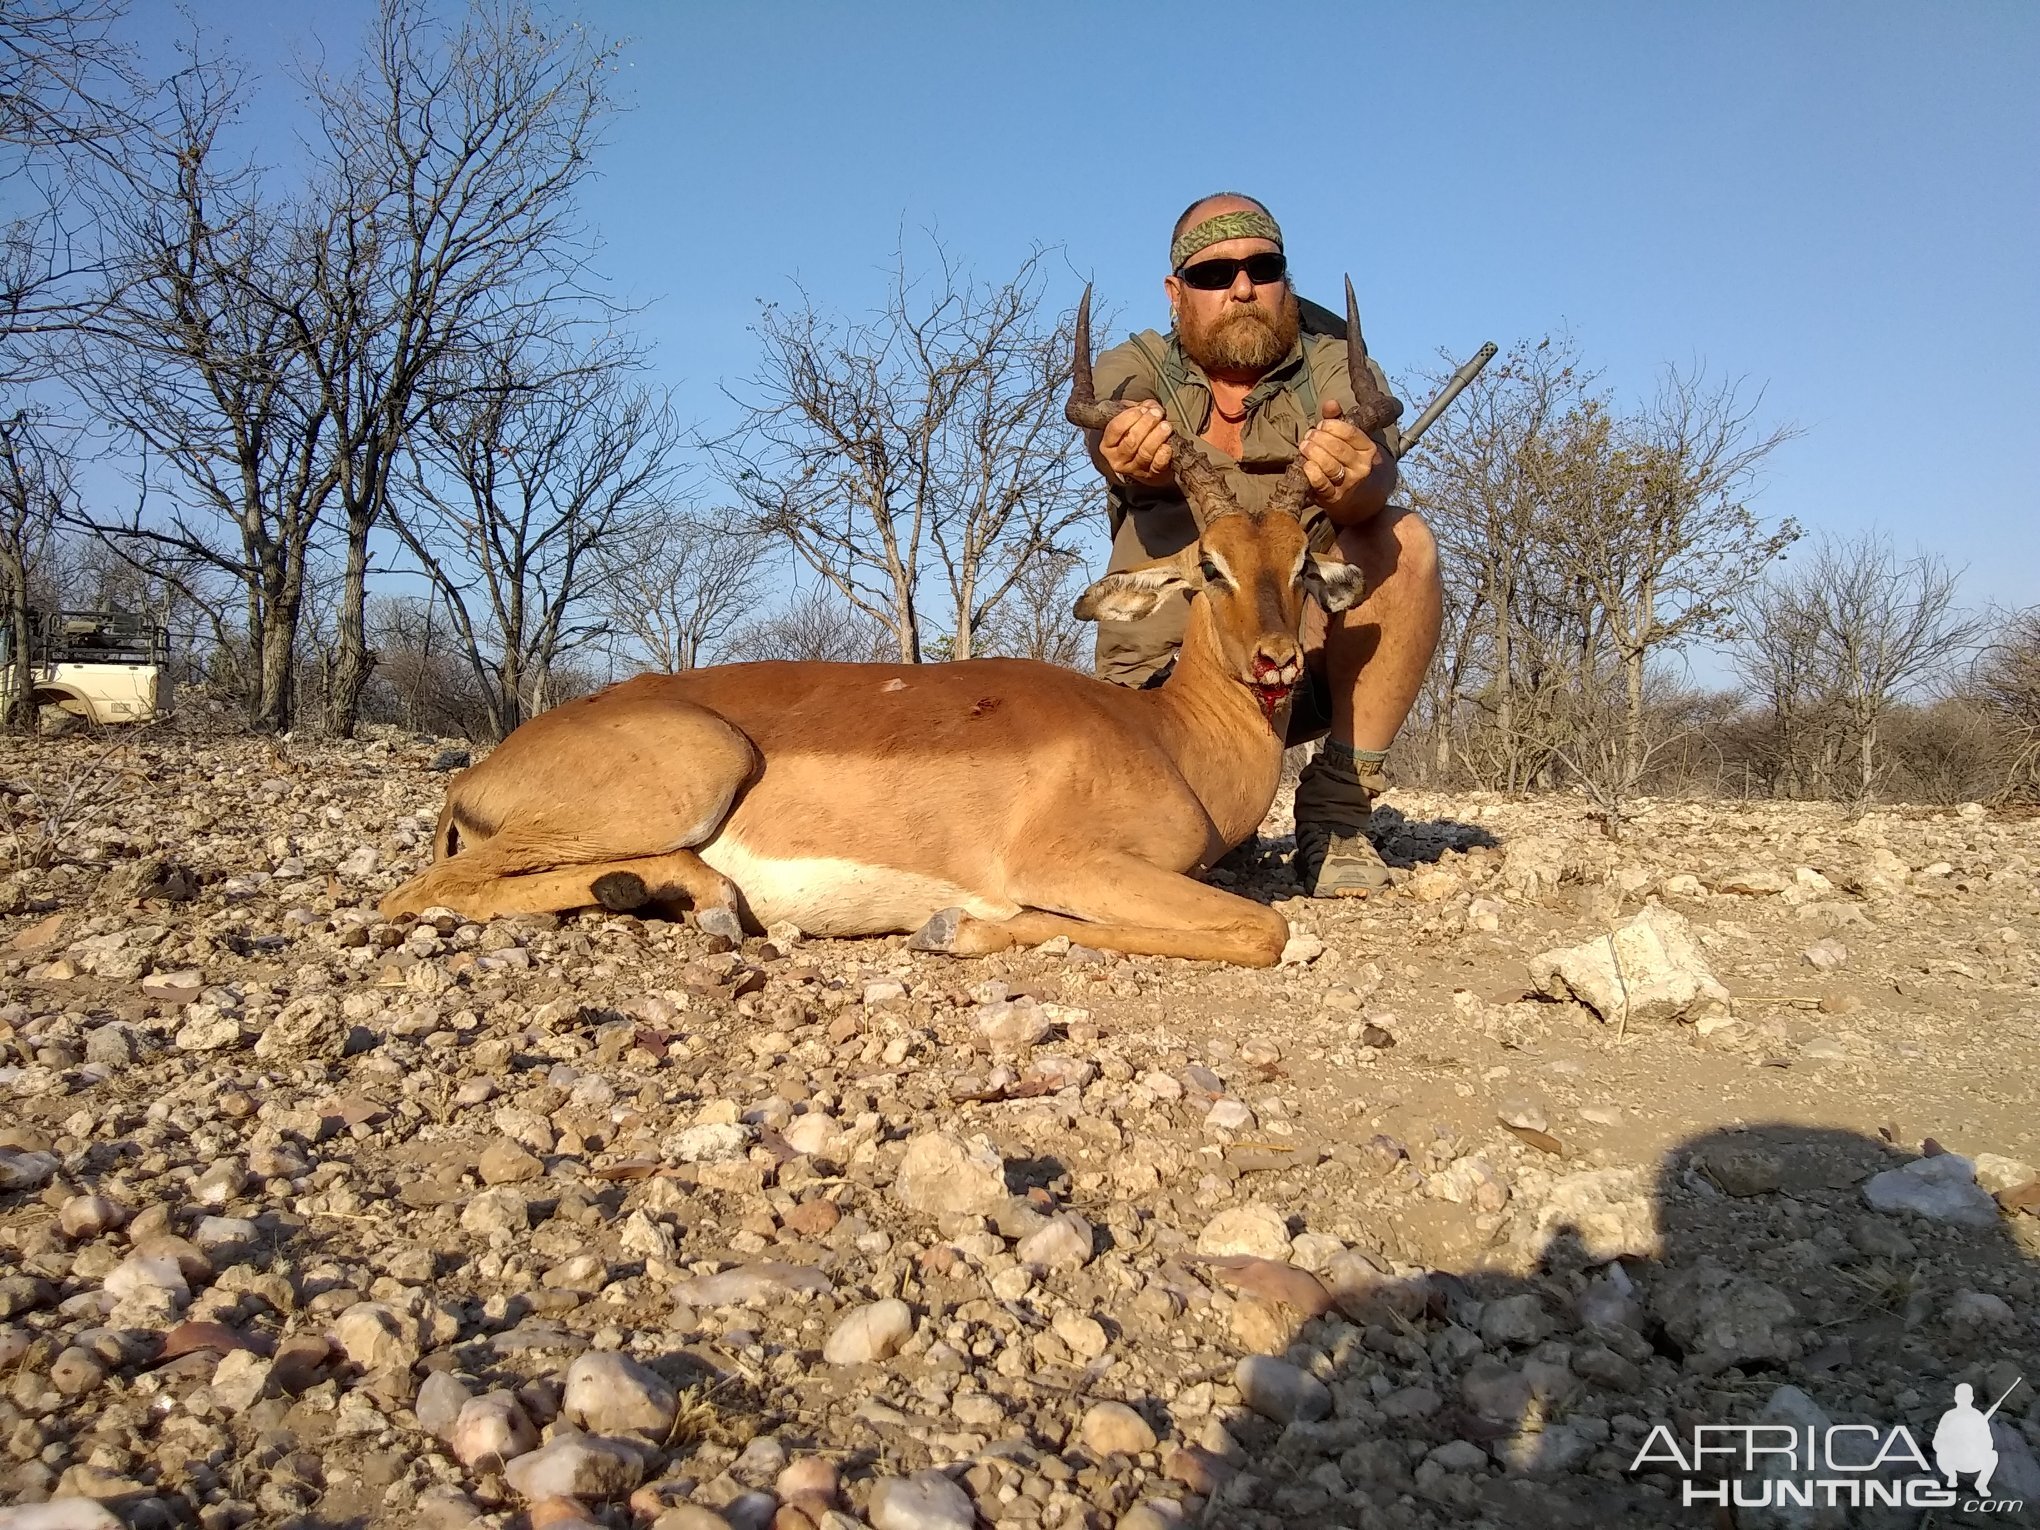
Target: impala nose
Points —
{"points": [[1277, 663]]}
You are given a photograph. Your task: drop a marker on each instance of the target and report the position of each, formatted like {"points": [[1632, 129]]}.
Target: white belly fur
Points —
{"points": [[827, 896]]}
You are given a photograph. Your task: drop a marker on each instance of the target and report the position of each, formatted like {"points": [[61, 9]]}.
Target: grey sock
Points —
{"points": [[1345, 755]]}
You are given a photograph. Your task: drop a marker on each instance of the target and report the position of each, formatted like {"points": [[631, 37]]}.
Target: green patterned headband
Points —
{"points": [[1249, 224]]}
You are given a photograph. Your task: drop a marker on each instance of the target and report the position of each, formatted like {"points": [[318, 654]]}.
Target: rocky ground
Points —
{"points": [[311, 1220]]}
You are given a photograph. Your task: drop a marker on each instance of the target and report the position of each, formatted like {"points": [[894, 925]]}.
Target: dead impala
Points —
{"points": [[981, 804]]}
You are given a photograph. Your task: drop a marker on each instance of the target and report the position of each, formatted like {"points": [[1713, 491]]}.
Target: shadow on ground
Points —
{"points": [[1262, 864], [1753, 1285]]}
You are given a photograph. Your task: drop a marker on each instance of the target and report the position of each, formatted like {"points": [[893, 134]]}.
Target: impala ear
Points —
{"points": [[1134, 593], [1336, 584]]}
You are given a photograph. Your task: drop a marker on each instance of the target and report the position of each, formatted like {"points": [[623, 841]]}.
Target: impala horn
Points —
{"points": [[1083, 409], [1373, 410], [1201, 481], [1377, 410]]}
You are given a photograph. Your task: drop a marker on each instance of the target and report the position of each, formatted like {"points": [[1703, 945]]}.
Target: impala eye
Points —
{"points": [[1210, 571]]}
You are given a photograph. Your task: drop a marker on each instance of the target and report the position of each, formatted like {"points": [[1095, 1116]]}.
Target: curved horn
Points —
{"points": [[1377, 409], [1203, 485], [1083, 408]]}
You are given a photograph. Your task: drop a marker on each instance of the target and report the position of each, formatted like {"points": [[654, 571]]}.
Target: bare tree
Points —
{"points": [[929, 434], [70, 108], [1479, 479], [674, 585], [1883, 629], [1864, 630], [813, 624], [423, 686], [510, 494], [447, 169], [1649, 522], [272, 356], [35, 491], [2005, 685], [66, 81], [199, 359], [69, 99], [1036, 621], [1779, 659]]}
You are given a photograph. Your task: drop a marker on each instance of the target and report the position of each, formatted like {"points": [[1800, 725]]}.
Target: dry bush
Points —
{"points": [[814, 624], [40, 823], [1946, 753], [2005, 685]]}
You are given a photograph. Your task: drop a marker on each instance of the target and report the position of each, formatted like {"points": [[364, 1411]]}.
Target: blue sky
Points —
{"points": [[1839, 202]]}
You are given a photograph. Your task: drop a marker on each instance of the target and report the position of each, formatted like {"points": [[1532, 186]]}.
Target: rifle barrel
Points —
{"points": [[2001, 1401], [1452, 389]]}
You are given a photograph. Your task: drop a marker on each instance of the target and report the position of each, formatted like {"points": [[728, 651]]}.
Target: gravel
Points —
{"points": [[308, 1218]]}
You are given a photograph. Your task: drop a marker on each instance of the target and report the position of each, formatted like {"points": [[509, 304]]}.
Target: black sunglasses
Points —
{"points": [[1262, 270]]}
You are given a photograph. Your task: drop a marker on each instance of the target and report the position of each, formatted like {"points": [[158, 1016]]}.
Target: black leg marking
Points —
{"points": [[621, 891]]}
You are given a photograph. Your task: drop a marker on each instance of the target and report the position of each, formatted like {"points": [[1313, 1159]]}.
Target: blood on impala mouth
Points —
{"points": [[1271, 694]]}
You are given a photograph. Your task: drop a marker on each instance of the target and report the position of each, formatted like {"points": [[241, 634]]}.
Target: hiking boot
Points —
{"points": [[1334, 857]]}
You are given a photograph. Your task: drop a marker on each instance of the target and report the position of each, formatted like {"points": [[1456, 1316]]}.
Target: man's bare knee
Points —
{"points": [[1419, 548], [1394, 544]]}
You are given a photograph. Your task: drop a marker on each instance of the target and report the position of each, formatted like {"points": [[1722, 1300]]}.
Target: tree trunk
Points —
{"points": [[1632, 722], [910, 633], [352, 663], [275, 669], [960, 646], [21, 707], [1505, 703], [503, 692]]}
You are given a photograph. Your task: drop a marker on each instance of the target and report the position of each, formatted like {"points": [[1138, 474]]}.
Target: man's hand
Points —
{"points": [[1137, 444], [1349, 475]]}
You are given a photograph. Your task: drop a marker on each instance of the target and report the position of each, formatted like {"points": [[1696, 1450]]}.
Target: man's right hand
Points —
{"points": [[1137, 444]]}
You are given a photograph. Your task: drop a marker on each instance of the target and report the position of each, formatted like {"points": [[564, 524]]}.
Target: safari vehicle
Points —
{"points": [[103, 666]]}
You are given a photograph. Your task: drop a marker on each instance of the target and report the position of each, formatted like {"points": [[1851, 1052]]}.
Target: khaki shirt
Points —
{"points": [[1153, 523]]}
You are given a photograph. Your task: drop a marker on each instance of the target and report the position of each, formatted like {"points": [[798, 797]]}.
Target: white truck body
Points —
{"points": [[105, 667], [100, 693]]}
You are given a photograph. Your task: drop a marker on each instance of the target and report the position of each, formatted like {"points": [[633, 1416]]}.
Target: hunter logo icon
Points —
{"points": [[1962, 1442]]}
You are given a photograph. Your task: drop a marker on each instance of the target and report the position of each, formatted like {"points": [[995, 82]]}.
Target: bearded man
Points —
{"points": [[1251, 377]]}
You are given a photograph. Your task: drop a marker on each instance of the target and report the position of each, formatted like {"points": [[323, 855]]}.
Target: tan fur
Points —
{"points": [[864, 798]]}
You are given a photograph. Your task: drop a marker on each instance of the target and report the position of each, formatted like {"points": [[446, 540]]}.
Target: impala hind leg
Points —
{"points": [[1118, 903], [676, 883], [594, 804], [472, 886]]}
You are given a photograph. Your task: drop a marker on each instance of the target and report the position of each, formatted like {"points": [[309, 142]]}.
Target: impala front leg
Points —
{"points": [[1118, 903], [956, 933]]}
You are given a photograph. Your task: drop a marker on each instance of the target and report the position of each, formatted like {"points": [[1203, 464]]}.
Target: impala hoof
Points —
{"points": [[939, 933], [720, 920], [621, 891]]}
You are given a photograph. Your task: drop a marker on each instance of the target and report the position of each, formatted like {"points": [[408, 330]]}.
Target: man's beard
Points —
{"points": [[1246, 341]]}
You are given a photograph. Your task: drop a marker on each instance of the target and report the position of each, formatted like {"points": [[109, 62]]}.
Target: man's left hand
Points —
{"points": [[1340, 460]]}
